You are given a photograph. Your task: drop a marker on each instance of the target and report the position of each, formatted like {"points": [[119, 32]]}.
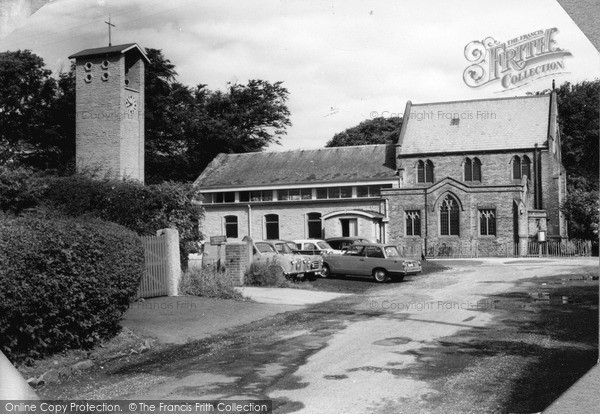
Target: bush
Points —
{"points": [[208, 282], [261, 274], [19, 190], [65, 283], [141, 208]]}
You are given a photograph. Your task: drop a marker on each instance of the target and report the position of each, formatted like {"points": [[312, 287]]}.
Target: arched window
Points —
{"points": [[314, 226], [476, 169], [420, 172], [449, 217], [231, 226], [487, 222], [428, 172], [516, 162], [413, 223], [468, 170], [472, 169], [272, 226], [424, 171], [526, 167]]}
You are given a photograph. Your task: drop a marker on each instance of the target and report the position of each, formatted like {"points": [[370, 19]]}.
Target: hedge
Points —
{"points": [[141, 208], [64, 282]]}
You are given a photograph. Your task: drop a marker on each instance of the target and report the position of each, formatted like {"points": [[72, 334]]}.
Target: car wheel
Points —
{"points": [[380, 275], [326, 272]]}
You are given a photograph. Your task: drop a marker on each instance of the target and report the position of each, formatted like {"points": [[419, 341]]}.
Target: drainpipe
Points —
{"points": [[538, 172], [384, 238], [426, 224], [536, 188], [249, 221]]}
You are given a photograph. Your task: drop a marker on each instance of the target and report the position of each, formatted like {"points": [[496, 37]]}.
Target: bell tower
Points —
{"points": [[109, 107]]}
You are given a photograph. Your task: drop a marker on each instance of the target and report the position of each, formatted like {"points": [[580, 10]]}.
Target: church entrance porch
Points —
{"points": [[350, 223]]}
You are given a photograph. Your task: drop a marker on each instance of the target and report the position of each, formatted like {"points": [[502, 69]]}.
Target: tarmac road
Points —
{"points": [[359, 353], [361, 369]]}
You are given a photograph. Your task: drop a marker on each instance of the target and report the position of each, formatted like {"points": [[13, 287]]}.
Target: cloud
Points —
{"points": [[357, 57]]}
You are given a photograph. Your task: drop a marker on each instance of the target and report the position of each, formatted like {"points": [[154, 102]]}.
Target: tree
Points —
{"points": [[187, 127], [579, 123], [371, 131], [580, 126], [581, 210], [37, 113], [28, 91]]}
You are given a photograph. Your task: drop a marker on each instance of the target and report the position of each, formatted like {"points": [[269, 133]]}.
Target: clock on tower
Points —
{"points": [[110, 110]]}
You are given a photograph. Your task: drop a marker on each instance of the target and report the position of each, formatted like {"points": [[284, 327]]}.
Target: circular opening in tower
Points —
{"points": [[105, 64], [88, 77], [88, 66], [105, 76]]}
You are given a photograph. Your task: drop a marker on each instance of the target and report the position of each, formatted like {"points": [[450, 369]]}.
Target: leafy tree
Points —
{"points": [[581, 210], [579, 122], [187, 127], [371, 131], [28, 91], [580, 126], [37, 113]]}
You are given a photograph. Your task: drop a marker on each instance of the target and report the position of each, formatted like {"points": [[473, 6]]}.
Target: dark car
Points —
{"points": [[342, 243], [379, 261]]}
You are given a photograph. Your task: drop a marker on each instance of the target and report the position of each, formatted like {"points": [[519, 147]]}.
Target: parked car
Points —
{"points": [[379, 261], [342, 243], [292, 264], [315, 246]]}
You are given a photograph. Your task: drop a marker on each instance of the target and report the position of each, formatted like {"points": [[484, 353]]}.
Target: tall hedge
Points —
{"points": [[141, 208], [64, 282]]}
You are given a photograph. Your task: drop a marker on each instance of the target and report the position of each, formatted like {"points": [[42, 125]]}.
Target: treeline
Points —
{"points": [[186, 127]]}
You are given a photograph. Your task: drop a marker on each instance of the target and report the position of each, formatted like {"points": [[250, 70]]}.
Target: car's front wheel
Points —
{"points": [[326, 271], [380, 275]]}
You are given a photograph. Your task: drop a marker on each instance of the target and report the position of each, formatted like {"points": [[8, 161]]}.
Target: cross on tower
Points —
{"points": [[109, 26]]}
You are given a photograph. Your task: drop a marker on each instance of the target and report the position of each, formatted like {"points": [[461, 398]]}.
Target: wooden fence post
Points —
{"points": [[173, 259]]}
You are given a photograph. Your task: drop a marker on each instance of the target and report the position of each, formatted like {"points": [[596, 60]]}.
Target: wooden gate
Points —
{"points": [[155, 280]]}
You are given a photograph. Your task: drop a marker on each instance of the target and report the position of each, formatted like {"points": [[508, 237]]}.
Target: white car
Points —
{"points": [[315, 246]]}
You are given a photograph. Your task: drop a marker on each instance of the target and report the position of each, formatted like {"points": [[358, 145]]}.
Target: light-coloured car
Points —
{"points": [[379, 261], [315, 246], [292, 264]]}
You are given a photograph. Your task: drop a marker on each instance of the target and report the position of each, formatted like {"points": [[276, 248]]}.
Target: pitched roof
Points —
{"points": [[110, 50], [485, 124], [326, 165]]}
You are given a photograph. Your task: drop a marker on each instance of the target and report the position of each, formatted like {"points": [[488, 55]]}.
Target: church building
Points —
{"points": [[484, 173]]}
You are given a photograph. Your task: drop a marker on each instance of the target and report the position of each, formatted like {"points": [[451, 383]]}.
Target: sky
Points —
{"points": [[341, 61]]}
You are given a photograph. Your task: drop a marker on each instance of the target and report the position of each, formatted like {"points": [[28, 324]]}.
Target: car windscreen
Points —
{"points": [[391, 251], [283, 248], [323, 245], [264, 248]]}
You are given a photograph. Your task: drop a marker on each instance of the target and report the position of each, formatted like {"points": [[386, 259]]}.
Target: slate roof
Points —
{"points": [[326, 165], [110, 50], [486, 124]]}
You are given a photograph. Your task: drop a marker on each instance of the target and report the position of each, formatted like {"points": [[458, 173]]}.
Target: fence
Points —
{"points": [[475, 248], [565, 248], [162, 267]]}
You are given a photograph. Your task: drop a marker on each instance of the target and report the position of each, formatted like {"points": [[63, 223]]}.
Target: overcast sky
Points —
{"points": [[342, 61]]}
